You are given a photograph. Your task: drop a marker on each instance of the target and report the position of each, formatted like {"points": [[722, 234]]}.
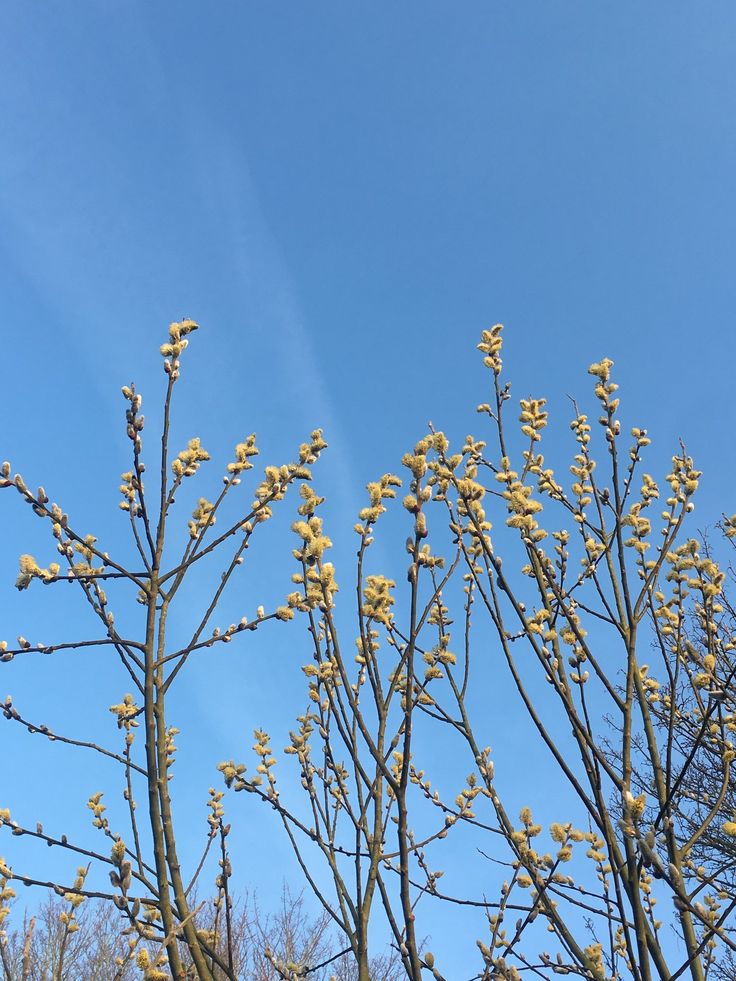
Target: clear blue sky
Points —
{"points": [[344, 194]]}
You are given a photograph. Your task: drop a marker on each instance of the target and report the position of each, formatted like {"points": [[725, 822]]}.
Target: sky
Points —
{"points": [[344, 196]]}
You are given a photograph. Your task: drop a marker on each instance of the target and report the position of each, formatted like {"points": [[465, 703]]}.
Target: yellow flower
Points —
{"points": [[187, 462], [378, 600], [490, 345], [601, 369], [557, 832], [635, 805]]}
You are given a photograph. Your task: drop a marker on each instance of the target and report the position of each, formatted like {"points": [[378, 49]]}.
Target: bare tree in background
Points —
{"points": [[289, 935]]}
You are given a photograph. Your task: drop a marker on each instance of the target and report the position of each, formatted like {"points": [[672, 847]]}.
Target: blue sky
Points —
{"points": [[344, 195]]}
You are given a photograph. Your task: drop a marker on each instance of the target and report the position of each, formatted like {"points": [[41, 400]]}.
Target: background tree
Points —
{"points": [[262, 944]]}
